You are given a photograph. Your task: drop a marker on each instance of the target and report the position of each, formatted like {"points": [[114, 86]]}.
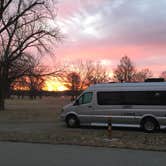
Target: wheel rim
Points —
{"points": [[71, 122], [149, 126]]}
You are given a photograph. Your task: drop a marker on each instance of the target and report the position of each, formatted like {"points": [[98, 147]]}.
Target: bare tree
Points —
{"points": [[163, 75], [18, 69], [35, 85], [81, 75], [22, 29], [125, 71], [142, 75], [72, 82], [34, 78], [3, 6], [91, 73], [96, 73]]}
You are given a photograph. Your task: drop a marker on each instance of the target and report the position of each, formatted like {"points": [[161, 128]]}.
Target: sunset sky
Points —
{"points": [[106, 30]]}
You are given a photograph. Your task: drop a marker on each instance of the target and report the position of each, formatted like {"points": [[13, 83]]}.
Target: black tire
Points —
{"points": [[72, 121], [149, 125]]}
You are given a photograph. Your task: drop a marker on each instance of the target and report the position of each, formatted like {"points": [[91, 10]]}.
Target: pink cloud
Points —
{"points": [[102, 29]]}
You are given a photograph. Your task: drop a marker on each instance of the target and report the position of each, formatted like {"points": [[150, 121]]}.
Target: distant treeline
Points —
{"points": [[25, 93]]}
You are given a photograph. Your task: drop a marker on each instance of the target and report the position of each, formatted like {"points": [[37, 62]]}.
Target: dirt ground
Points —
{"points": [[38, 121]]}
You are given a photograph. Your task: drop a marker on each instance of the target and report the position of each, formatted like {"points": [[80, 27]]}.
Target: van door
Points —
{"points": [[84, 107], [110, 112]]}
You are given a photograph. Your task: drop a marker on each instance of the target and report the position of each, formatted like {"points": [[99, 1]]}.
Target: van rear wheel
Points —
{"points": [[72, 121], [149, 125]]}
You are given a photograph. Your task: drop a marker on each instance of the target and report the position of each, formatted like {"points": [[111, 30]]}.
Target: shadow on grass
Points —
{"points": [[127, 129], [113, 128]]}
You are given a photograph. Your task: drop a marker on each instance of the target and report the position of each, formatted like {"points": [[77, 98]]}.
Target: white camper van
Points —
{"points": [[127, 104]]}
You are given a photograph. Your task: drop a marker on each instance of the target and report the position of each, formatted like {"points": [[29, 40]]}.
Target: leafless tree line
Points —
{"points": [[76, 77], [82, 75]]}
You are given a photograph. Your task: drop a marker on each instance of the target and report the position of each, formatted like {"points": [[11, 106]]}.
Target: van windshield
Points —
{"points": [[85, 98]]}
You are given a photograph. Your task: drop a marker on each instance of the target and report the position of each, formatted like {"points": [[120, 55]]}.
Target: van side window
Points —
{"points": [[132, 98], [85, 98], [110, 98]]}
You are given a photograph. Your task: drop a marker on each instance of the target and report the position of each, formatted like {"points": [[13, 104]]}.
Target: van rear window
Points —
{"points": [[132, 98]]}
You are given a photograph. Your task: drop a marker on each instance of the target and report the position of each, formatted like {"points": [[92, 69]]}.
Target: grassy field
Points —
{"points": [[38, 121], [46, 109]]}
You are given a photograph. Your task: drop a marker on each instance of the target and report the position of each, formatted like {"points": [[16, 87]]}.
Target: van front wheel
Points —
{"points": [[72, 121]]}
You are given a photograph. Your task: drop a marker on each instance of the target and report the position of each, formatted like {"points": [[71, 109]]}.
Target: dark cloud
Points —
{"points": [[135, 22], [120, 21], [112, 28]]}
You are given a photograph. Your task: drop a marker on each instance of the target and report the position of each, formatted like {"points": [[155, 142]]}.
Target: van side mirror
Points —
{"points": [[76, 102]]}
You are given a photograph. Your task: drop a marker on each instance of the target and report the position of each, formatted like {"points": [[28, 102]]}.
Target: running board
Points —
{"points": [[114, 125]]}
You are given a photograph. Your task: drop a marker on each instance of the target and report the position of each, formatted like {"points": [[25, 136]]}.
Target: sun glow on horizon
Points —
{"points": [[54, 85]]}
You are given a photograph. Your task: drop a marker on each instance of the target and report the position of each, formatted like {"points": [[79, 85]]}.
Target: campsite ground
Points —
{"points": [[38, 121]]}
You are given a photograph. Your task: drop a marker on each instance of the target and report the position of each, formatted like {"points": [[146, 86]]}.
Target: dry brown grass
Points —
{"points": [[46, 109]]}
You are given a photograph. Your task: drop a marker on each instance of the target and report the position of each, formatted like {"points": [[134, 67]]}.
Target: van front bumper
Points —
{"points": [[63, 117]]}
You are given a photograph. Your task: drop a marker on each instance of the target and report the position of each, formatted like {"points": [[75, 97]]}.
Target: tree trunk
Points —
{"points": [[2, 92], [2, 99], [2, 104]]}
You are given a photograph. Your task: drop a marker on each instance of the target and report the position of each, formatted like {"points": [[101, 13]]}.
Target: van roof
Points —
{"points": [[133, 86]]}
